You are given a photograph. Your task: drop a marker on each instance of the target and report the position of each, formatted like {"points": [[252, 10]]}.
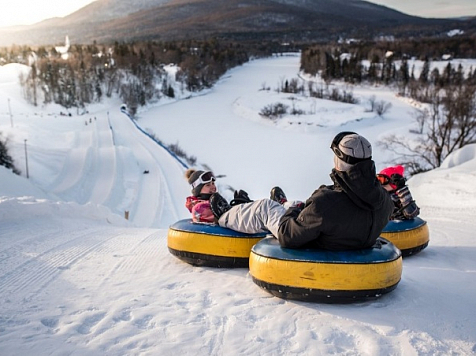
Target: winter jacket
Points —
{"points": [[200, 209], [348, 215]]}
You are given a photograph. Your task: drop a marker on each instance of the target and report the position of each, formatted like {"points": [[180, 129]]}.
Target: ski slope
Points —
{"points": [[107, 164]]}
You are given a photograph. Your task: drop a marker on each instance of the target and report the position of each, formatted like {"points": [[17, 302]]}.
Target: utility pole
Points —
{"points": [[26, 160], [10, 110]]}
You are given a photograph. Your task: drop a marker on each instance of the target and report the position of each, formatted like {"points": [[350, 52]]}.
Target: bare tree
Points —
{"points": [[372, 101], [448, 124], [274, 111], [382, 107]]}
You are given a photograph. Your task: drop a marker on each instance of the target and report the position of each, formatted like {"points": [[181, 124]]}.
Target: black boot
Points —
{"points": [[278, 195], [219, 205]]}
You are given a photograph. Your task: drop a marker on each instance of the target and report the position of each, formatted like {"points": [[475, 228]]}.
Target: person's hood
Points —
{"points": [[361, 185]]}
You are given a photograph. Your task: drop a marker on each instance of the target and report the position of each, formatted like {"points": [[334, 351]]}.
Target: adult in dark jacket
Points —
{"points": [[350, 214]]}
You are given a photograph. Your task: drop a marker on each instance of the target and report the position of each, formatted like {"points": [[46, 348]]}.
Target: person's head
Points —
{"points": [[350, 148], [201, 182], [388, 176]]}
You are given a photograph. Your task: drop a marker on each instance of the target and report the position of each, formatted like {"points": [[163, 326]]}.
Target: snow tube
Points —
{"points": [[316, 275], [210, 245], [410, 236]]}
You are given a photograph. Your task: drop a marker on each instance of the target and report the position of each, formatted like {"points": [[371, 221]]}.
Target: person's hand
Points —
{"points": [[240, 197], [398, 180]]}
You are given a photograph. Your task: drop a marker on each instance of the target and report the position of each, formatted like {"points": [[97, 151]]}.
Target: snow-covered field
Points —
{"points": [[77, 278]]}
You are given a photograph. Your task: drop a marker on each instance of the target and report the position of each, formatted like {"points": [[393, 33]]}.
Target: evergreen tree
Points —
{"points": [[425, 72], [5, 159]]}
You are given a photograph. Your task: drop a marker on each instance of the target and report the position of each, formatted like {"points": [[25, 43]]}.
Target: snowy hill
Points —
{"points": [[77, 278], [106, 21]]}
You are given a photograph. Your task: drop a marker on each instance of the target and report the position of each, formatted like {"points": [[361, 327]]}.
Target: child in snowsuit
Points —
{"points": [[203, 186], [393, 181]]}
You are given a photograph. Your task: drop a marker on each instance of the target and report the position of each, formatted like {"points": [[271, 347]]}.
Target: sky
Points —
{"points": [[27, 12], [77, 278]]}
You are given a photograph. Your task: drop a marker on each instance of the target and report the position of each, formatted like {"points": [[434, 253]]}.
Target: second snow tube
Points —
{"points": [[317, 275], [410, 236], [210, 245]]}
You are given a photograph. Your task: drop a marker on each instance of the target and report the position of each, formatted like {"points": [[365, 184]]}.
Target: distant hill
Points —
{"points": [[106, 21]]}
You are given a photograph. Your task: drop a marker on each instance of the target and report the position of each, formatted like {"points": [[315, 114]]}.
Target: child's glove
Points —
{"points": [[398, 180], [409, 208]]}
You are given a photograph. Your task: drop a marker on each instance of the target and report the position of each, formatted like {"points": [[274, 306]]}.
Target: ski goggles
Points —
{"points": [[344, 157], [204, 178], [384, 179]]}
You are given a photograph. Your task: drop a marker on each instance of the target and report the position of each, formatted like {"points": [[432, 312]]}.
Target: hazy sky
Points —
{"points": [[27, 12]]}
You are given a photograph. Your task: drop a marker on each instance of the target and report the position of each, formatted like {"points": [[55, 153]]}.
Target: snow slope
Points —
{"points": [[77, 278]]}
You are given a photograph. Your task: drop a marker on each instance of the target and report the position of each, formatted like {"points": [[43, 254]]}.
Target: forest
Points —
{"points": [[133, 71]]}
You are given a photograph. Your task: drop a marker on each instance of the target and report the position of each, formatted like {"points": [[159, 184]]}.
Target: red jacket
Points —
{"points": [[200, 209]]}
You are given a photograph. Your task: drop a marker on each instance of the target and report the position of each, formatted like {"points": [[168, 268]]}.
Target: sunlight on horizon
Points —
{"points": [[28, 12]]}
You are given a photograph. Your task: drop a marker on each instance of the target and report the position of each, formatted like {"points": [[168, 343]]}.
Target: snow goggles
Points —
{"points": [[204, 178], [344, 157], [384, 179]]}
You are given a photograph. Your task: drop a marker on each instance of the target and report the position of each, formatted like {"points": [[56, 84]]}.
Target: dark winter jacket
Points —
{"points": [[348, 215]]}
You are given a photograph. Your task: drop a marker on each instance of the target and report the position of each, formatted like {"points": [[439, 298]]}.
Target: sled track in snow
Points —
{"points": [[142, 251], [89, 165], [153, 203], [33, 274]]}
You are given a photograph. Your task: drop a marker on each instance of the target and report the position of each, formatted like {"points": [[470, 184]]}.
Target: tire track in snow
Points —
{"points": [[144, 250], [34, 274], [22, 249]]}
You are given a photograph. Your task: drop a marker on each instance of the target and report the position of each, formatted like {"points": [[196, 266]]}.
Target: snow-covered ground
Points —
{"points": [[77, 278]]}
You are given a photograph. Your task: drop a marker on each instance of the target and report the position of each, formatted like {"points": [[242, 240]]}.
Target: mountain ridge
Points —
{"points": [[106, 21]]}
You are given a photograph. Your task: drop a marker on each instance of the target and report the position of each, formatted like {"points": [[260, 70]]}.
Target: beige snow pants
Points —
{"points": [[259, 216]]}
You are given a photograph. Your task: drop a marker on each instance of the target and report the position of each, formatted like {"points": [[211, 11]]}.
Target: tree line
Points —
{"points": [[133, 71], [448, 120], [344, 61]]}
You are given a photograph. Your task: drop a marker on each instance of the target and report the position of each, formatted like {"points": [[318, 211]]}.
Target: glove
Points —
{"points": [[398, 180], [240, 197], [404, 196], [411, 211], [408, 206]]}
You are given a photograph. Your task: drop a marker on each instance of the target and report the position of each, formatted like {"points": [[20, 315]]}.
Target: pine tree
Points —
{"points": [[5, 159], [425, 72]]}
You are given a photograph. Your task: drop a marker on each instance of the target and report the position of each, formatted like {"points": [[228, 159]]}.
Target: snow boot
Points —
{"points": [[278, 195]]}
